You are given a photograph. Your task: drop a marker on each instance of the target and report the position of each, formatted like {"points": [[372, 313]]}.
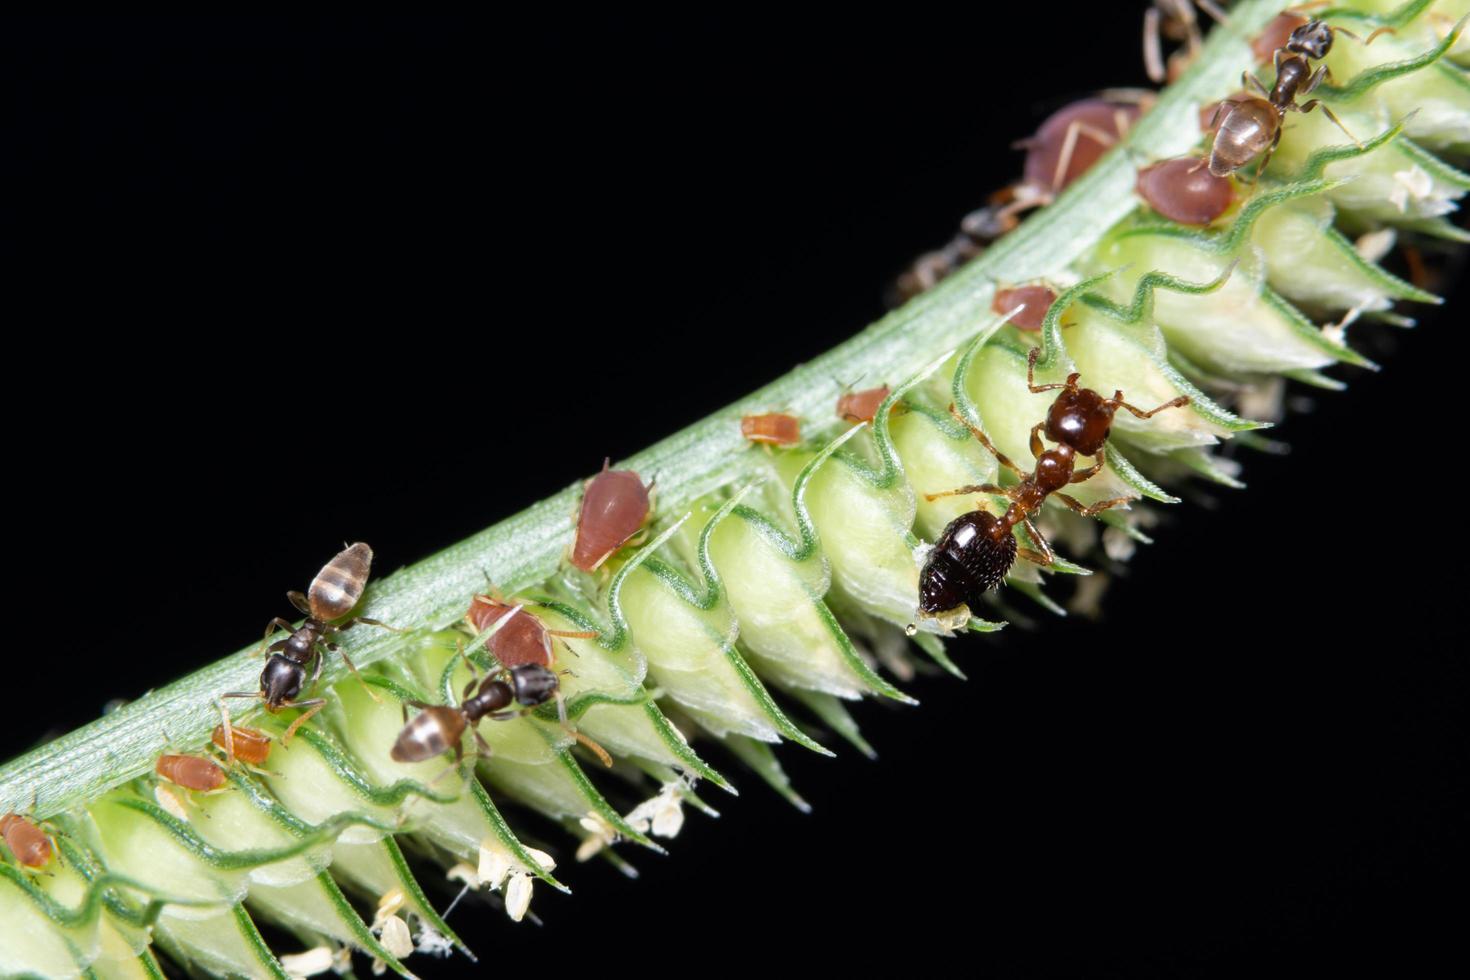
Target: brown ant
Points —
{"points": [[1252, 125], [1176, 20], [331, 595], [977, 549]]}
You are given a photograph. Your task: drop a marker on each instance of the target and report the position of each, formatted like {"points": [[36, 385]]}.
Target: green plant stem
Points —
{"points": [[528, 548]]}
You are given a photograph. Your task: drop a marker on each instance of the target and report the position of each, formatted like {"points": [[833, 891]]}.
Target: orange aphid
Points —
{"points": [[614, 507], [26, 841], [251, 746], [775, 428], [861, 406], [1036, 300], [190, 772]]}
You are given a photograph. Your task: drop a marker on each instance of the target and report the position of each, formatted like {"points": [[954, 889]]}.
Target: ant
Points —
{"points": [[331, 595], [1252, 125], [440, 727], [977, 549], [1176, 20]]}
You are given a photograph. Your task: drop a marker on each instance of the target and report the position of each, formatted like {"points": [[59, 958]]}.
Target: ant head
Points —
{"points": [[280, 681], [1313, 39], [534, 684]]}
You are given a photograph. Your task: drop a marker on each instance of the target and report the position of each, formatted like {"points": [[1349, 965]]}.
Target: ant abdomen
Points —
{"points": [[970, 558]]}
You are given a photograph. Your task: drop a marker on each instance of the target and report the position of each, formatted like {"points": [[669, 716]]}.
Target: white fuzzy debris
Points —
{"points": [[600, 834], [463, 872], [388, 905], [495, 864], [170, 801], [517, 895], [434, 943], [922, 551], [1415, 185], [1375, 244], [342, 960], [663, 814], [309, 963], [1337, 332]]}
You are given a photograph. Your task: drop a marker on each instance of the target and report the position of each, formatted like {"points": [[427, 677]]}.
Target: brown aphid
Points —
{"points": [[773, 428], [1072, 139], [250, 746], [861, 406], [331, 595], [976, 550], [190, 772], [614, 506], [30, 844], [1183, 191], [524, 639], [1035, 298]]}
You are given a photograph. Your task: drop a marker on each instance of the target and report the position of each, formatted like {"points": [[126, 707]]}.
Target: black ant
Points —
{"points": [[1252, 125], [437, 728], [977, 549], [332, 594]]}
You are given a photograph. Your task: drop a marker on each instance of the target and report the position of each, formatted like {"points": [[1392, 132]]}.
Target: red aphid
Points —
{"points": [[190, 772], [1184, 191], [775, 428], [614, 507], [1037, 300], [251, 747], [1091, 127], [1275, 35], [861, 406], [523, 640], [26, 841]]}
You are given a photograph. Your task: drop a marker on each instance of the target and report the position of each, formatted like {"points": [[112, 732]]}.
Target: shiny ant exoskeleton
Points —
{"points": [[331, 595], [1252, 124], [977, 549]]}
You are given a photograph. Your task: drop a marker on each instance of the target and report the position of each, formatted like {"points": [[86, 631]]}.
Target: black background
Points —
{"points": [[277, 283]]}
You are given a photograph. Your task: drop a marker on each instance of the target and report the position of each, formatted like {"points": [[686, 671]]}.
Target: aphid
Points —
{"points": [[1252, 124], [1183, 191], [1035, 298], [190, 772], [861, 406], [332, 594], [31, 845], [614, 506], [1175, 20], [523, 639], [773, 428], [250, 746], [977, 549]]}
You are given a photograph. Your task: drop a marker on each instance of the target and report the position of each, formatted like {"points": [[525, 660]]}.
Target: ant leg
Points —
{"points": [[1098, 462], [270, 629], [1094, 509], [1037, 389], [352, 667], [300, 602], [1266, 159], [1179, 402], [1153, 48], [229, 733], [312, 706], [1385, 29], [1042, 557], [972, 488], [1247, 80], [1319, 104], [1037, 446], [365, 621], [1003, 459]]}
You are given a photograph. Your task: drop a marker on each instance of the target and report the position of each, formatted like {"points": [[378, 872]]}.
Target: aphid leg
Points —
{"points": [[1091, 510], [1179, 402], [1001, 457], [224, 714], [1319, 104], [1044, 556], [1213, 9], [312, 707], [352, 667], [1153, 49], [965, 491], [1037, 389], [1075, 129], [591, 746], [574, 634]]}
